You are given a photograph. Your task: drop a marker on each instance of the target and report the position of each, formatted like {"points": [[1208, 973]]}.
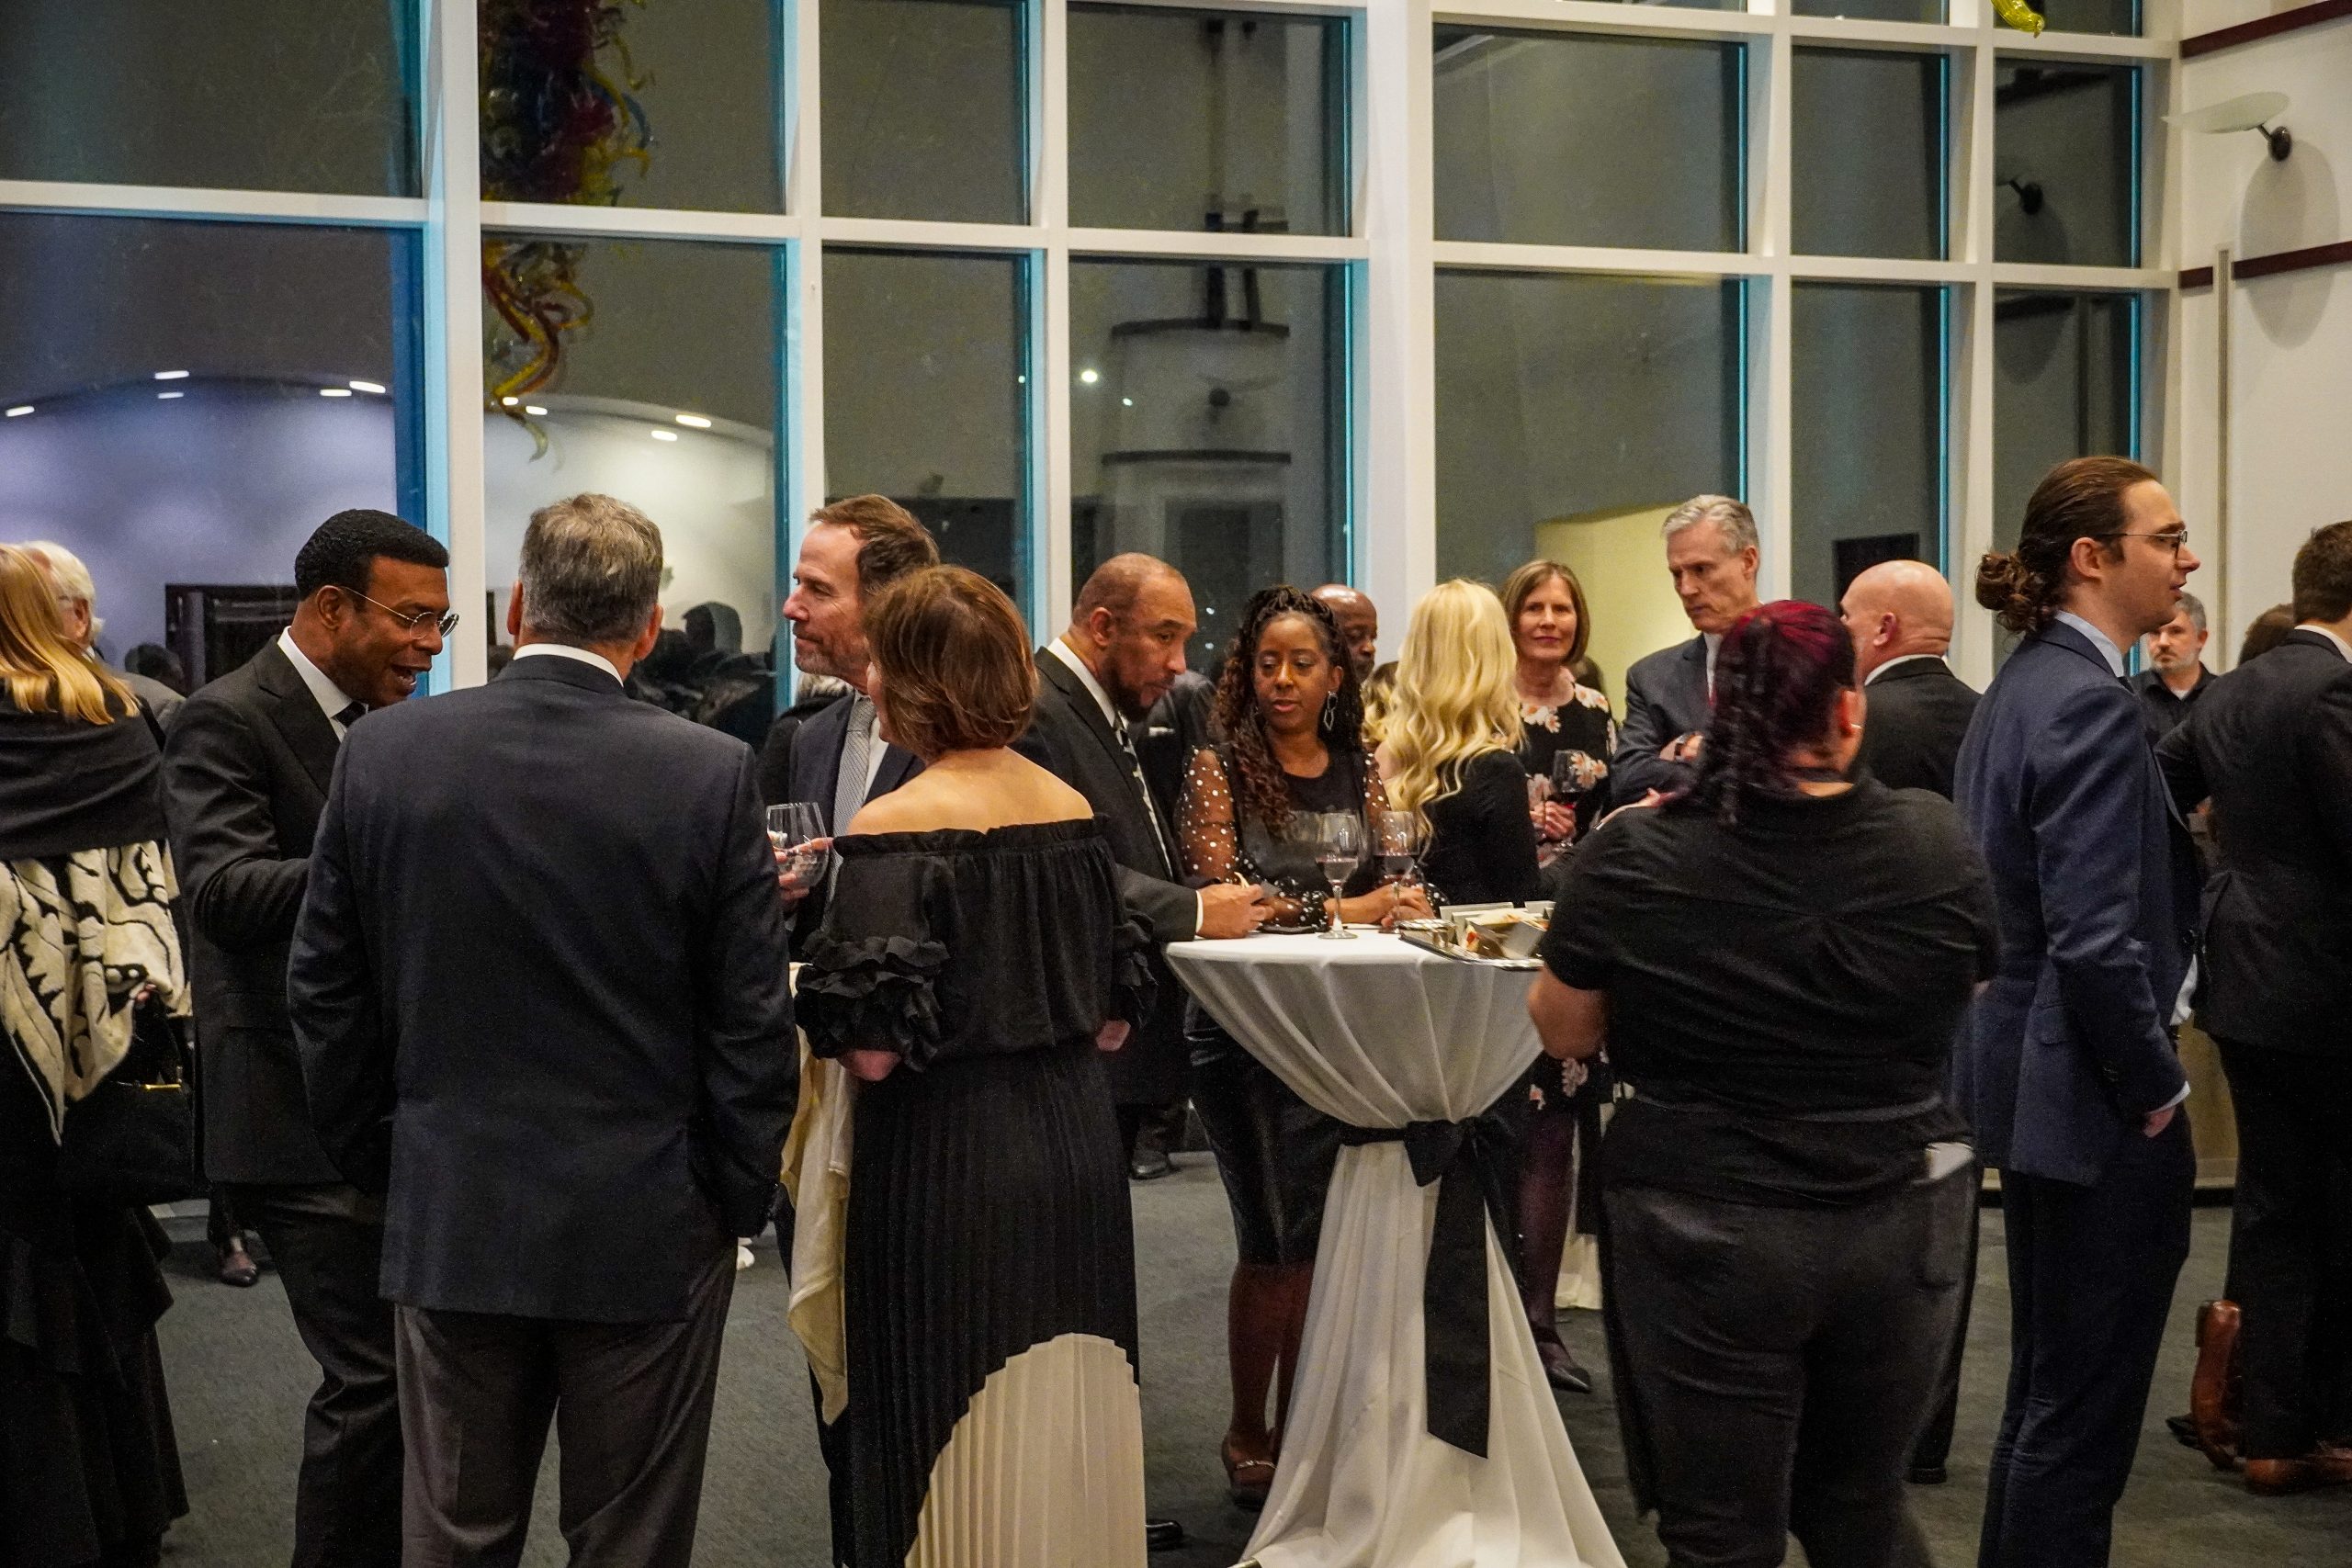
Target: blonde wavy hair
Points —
{"points": [[43, 672], [1455, 694]]}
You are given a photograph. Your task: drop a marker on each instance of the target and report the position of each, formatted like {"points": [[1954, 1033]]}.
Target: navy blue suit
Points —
{"points": [[2065, 1054]]}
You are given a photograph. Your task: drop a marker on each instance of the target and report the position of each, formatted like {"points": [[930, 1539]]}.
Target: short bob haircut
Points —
{"points": [[1520, 586], [950, 661]]}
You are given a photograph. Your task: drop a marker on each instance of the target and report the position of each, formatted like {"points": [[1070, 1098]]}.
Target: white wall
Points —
{"points": [[2291, 353]]}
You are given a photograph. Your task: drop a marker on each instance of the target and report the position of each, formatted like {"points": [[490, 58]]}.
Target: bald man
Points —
{"points": [[1359, 620], [1899, 614]]}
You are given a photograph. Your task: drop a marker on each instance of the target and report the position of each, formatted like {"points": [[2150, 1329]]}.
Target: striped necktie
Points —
{"points": [[858, 747]]}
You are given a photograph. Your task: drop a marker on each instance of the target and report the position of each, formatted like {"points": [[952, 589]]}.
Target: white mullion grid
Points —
{"points": [[640, 223], [452, 326], [1052, 487], [803, 302], [1771, 424], [1395, 389], [231, 206], [1975, 80]]}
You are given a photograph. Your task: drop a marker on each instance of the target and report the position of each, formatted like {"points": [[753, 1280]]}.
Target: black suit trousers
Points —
{"points": [[2290, 1237], [328, 1244], [2091, 1275]]}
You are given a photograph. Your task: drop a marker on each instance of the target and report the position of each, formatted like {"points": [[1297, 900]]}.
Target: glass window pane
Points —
{"points": [[2066, 150], [632, 106], [1867, 471], [186, 402], [1207, 119], [251, 95], [2093, 15], [2063, 387], [1874, 10], [925, 110], [927, 397], [1574, 411], [1563, 138], [1207, 425], [1868, 129], [659, 389]]}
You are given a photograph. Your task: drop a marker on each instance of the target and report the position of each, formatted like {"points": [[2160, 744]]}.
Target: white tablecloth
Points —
{"points": [[1379, 1033]]}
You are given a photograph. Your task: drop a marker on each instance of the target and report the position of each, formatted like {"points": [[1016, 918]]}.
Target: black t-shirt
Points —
{"points": [[1783, 995]]}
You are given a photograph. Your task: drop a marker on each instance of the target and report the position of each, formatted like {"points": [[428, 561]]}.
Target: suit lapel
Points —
{"points": [[898, 766], [295, 714], [1090, 713]]}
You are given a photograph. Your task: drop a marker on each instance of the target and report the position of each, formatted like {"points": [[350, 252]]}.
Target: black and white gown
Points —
{"points": [[989, 1267]]}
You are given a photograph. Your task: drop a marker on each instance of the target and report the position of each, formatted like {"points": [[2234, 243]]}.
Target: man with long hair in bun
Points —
{"points": [[2068, 1069]]}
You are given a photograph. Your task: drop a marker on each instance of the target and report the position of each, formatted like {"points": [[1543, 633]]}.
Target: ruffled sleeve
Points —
{"points": [[870, 979], [1134, 984]]}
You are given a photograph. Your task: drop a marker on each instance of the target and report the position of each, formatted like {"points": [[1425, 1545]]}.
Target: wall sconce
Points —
{"points": [[2249, 111]]}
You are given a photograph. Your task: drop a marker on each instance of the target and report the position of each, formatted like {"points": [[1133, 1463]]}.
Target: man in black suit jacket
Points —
{"points": [[540, 986], [1899, 612], [1123, 652], [1711, 549], [2175, 677], [246, 766], [2270, 744]]}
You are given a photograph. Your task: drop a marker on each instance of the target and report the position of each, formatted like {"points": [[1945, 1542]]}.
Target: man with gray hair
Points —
{"points": [[1711, 549], [77, 602], [2176, 676], [538, 983]]}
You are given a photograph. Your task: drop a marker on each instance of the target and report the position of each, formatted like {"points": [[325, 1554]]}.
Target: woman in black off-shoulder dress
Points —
{"points": [[973, 960]]}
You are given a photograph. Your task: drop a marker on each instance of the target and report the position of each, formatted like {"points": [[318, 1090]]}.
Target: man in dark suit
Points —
{"points": [[1359, 620], [1123, 652], [540, 986], [2067, 1067], [2271, 744], [246, 768], [1711, 549], [1899, 614], [2175, 677]]}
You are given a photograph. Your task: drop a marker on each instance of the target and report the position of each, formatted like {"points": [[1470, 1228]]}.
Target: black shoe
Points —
{"points": [[1151, 1165], [2184, 1429], [237, 1265], [1163, 1534], [1560, 1369], [1927, 1475]]}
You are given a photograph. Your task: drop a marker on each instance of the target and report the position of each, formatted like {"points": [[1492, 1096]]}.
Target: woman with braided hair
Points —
{"points": [[1779, 959], [1291, 721]]}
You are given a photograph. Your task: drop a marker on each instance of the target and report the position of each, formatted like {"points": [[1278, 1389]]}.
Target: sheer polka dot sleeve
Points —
{"points": [[1205, 820]]}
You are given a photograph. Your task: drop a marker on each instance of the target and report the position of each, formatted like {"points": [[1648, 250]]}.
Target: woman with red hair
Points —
{"points": [[1779, 959]]}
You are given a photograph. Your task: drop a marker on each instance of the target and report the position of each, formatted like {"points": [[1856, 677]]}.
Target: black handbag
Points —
{"points": [[132, 1139]]}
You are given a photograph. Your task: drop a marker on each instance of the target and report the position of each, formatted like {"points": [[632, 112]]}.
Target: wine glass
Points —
{"points": [[1574, 774], [1338, 850], [1396, 840], [803, 853]]}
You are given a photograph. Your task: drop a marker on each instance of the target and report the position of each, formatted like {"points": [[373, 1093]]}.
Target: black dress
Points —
{"points": [[1481, 846], [1274, 1152], [1582, 724], [988, 1204]]}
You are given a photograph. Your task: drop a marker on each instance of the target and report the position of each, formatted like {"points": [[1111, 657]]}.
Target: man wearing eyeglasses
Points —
{"points": [[246, 768]]}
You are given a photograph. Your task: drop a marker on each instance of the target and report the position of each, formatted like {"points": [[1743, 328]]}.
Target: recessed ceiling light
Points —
{"points": [[171, 374], [21, 410], [693, 421], [167, 397], [1090, 376], [665, 435], [535, 410], [375, 387], [508, 402], [334, 391], [1126, 402]]}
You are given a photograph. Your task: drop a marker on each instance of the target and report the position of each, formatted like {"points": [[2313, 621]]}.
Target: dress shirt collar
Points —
{"points": [[2341, 646], [1062, 650], [564, 650], [2099, 639], [1901, 659], [331, 699]]}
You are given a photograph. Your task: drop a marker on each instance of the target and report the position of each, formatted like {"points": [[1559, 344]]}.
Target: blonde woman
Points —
{"points": [[1449, 754]]}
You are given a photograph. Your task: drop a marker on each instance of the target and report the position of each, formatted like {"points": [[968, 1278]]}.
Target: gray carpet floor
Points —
{"points": [[239, 1378]]}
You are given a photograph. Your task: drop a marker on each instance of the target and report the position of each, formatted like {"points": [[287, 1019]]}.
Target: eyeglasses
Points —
{"points": [[416, 623], [2174, 539]]}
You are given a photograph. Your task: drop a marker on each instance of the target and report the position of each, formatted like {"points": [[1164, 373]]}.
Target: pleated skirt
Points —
{"points": [[989, 1298]]}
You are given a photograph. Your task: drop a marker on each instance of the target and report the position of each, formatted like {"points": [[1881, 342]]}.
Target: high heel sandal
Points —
{"points": [[1247, 1481]]}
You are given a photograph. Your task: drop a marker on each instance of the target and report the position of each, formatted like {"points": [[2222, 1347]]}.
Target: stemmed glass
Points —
{"points": [[1573, 776], [1396, 840], [803, 853], [1338, 850]]}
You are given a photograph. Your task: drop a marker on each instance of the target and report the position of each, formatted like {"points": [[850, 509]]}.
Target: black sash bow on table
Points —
{"points": [[1470, 1161]]}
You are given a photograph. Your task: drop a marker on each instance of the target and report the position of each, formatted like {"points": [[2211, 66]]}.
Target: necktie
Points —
{"points": [[351, 713], [1143, 791], [857, 746]]}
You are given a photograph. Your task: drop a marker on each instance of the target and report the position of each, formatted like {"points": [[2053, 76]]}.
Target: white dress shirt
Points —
{"points": [[1062, 650], [564, 650], [331, 699], [2341, 646]]}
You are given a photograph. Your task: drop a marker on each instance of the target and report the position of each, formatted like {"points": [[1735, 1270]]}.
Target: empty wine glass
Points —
{"points": [[803, 853], [1339, 850]]}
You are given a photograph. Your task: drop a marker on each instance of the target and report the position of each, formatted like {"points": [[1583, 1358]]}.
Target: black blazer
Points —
{"points": [[539, 983], [1917, 716], [245, 768], [1665, 696], [814, 761], [2071, 1045], [2270, 744], [1070, 738]]}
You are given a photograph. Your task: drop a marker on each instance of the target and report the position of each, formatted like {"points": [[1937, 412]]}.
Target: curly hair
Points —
{"points": [[1777, 677], [1455, 699], [2080, 498], [1259, 792]]}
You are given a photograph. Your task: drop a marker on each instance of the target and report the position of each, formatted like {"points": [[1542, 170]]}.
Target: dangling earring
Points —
{"points": [[1329, 705]]}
